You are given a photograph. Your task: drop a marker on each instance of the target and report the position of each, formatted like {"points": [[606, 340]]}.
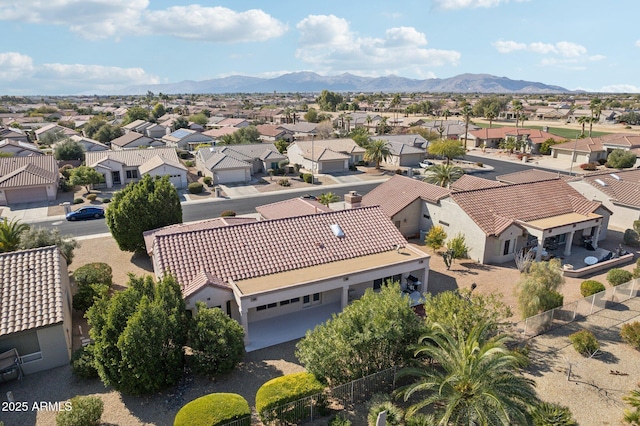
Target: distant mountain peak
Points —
{"points": [[309, 81]]}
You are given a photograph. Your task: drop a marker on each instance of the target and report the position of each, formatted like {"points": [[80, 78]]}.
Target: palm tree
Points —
{"points": [[632, 416], [490, 115], [10, 231], [443, 174], [476, 380], [467, 112], [369, 120], [517, 108], [596, 108], [348, 119], [446, 113], [378, 151], [327, 198], [583, 120]]}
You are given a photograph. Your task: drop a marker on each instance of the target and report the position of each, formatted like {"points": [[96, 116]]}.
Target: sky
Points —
{"points": [[66, 47]]}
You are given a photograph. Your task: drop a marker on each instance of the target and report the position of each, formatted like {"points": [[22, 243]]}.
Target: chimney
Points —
{"points": [[352, 200]]}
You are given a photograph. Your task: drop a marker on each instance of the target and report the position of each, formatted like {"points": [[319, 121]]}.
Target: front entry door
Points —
{"points": [[115, 176]]}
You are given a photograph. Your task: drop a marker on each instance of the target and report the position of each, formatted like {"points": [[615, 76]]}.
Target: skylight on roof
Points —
{"points": [[615, 176], [337, 230], [600, 182]]}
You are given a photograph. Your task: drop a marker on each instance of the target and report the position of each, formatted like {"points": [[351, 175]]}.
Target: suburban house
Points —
{"points": [[495, 220], [127, 165], [186, 139], [28, 179], [53, 128], [302, 131], [588, 150], [217, 132], [134, 140], [13, 134], [448, 129], [281, 277], [237, 163], [36, 308], [18, 148], [152, 130], [617, 190], [272, 133], [237, 123], [326, 155], [404, 155], [89, 144], [410, 139], [492, 138], [291, 207]]}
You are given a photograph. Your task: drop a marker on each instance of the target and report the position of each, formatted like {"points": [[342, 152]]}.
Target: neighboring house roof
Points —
{"points": [[31, 289], [52, 127], [399, 149], [615, 140], [19, 148], [530, 175], [137, 125], [622, 186], [89, 144], [193, 226], [301, 127], [400, 191], [220, 161], [129, 138], [495, 209], [28, 171], [219, 132], [290, 208], [232, 122], [244, 251], [134, 157], [204, 279], [249, 152], [157, 161], [470, 182], [344, 145], [408, 139], [271, 131], [534, 135], [320, 152]]}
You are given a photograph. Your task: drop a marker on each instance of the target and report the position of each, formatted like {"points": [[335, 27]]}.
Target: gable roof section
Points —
{"points": [[20, 145], [134, 157], [291, 208], [400, 191], [157, 161], [204, 279], [28, 171], [248, 152], [494, 209], [624, 191], [252, 250], [530, 175], [128, 138], [30, 289], [399, 148], [470, 182], [344, 145]]}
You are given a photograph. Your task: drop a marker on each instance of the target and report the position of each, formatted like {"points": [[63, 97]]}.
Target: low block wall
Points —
{"points": [[577, 273]]}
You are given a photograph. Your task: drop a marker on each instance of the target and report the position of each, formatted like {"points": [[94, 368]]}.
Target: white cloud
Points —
{"points": [[509, 46], [14, 66], [99, 19], [620, 88], [217, 24], [464, 4], [565, 49], [637, 43], [328, 45], [27, 77]]}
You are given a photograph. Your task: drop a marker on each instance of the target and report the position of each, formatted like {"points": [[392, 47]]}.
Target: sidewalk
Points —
{"points": [[544, 161]]}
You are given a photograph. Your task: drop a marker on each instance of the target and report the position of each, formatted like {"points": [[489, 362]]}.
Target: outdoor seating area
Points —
{"points": [[586, 259]]}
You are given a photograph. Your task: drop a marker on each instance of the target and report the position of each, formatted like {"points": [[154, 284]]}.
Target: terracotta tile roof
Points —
{"points": [[28, 171], [219, 132], [157, 161], [203, 279], [251, 250], [530, 175], [400, 191], [290, 208], [625, 190], [193, 226], [133, 157], [470, 182], [270, 130], [535, 135], [31, 289], [344, 145], [494, 209]]}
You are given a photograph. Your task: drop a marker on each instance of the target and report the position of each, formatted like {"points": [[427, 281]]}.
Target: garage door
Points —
{"points": [[411, 159], [229, 176], [333, 166], [176, 180], [15, 196]]}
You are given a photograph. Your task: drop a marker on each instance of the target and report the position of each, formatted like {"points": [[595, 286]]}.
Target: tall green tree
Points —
{"points": [[68, 149], [139, 335], [328, 101], [245, 135], [596, 109], [621, 159], [158, 110], [377, 151], [135, 113], [35, 237], [583, 121], [180, 123], [467, 113], [369, 335], [477, 381], [150, 203], [10, 231], [85, 176], [360, 136], [107, 133], [443, 174], [537, 290], [217, 341], [447, 148]]}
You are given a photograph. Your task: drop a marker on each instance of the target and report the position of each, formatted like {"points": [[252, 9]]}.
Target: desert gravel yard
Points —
{"points": [[594, 392]]}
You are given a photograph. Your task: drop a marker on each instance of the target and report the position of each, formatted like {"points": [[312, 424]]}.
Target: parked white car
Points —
{"points": [[424, 164]]}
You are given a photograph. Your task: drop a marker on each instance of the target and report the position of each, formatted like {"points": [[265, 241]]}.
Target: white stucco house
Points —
{"points": [[186, 139], [328, 260], [124, 166], [36, 308], [28, 179], [237, 163], [134, 140]]}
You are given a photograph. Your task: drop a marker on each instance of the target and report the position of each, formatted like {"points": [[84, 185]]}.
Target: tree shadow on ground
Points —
{"points": [[439, 282]]}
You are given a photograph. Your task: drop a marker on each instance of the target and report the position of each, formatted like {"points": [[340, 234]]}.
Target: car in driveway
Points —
{"points": [[86, 213]]}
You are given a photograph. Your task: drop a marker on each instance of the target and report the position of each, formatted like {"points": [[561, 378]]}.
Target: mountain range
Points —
{"points": [[305, 82]]}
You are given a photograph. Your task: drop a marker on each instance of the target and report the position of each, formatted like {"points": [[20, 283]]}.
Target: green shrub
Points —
{"points": [[549, 414], [584, 342], [214, 409], [420, 419], [479, 164], [87, 295], [207, 180], [78, 201], [589, 287], [92, 197], [339, 420], [281, 390], [380, 403], [93, 273], [183, 154], [85, 411], [66, 170], [617, 276], [630, 334], [307, 177], [195, 188], [589, 166], [284, 182], [188, 163], [64, 185], [82, 363], [631, 238], [106, 200], [228, 213]]}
